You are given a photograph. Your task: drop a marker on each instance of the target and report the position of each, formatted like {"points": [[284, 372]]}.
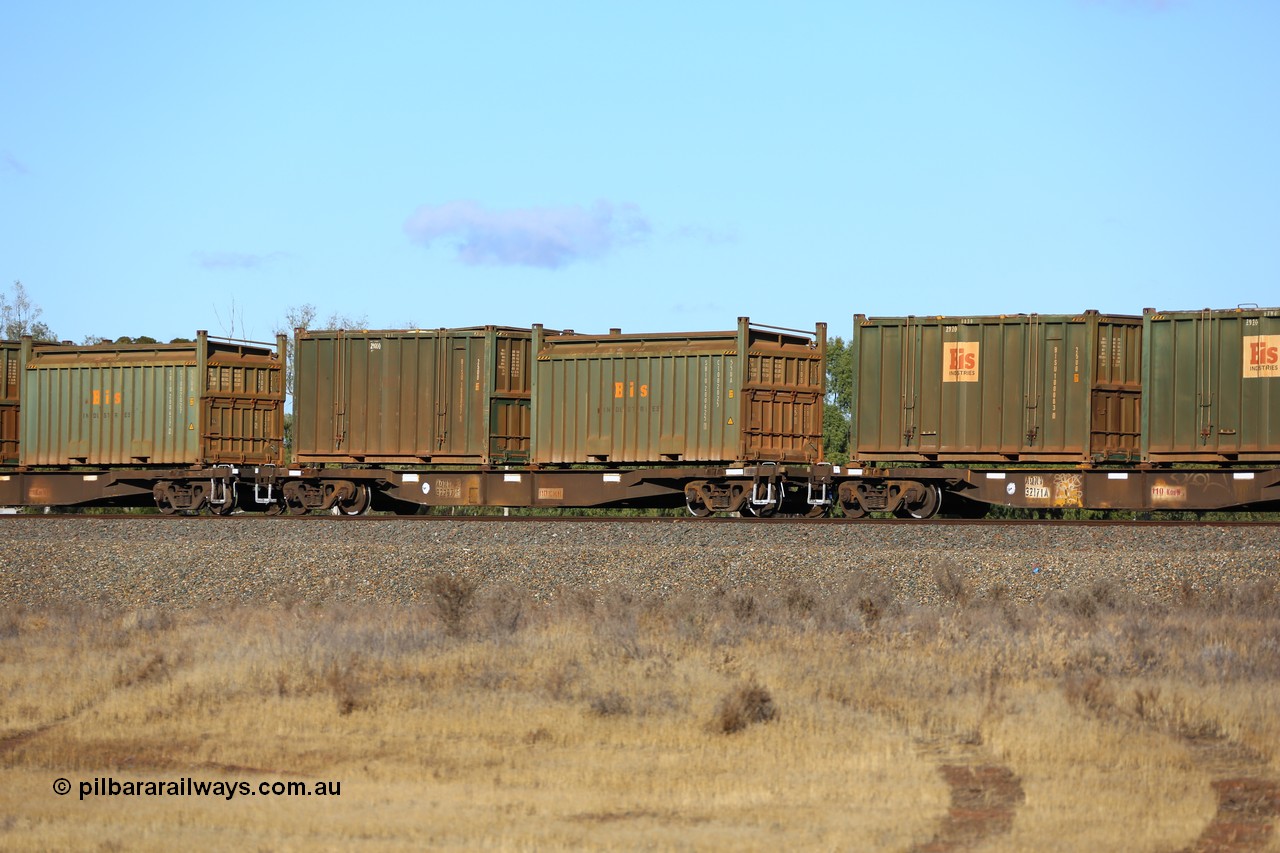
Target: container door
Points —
{"points": [[1116, 394], [242, 413], [918, 428], [460, 395], [10, 380], [509, 405], [1055, 388], [783, 391], [1036, 363]]}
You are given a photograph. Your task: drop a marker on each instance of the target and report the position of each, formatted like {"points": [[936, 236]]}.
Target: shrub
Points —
{"points": [[452, 597], [743, 706]]}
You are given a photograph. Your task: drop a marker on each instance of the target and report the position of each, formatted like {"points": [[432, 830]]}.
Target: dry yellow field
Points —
{"points": [[760, 719]]}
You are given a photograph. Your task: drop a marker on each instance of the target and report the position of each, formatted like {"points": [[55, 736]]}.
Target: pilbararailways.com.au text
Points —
{"points": [[188, 787]]}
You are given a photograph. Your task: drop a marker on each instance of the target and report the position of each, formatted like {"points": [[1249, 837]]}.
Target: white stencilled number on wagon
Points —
{"points": [[1035, 489]]}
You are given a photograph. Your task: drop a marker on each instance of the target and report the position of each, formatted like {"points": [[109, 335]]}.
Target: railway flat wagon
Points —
{"points": [[413, 396], [1211, 386], [1015, 388], [750, 394], [213, 401]]}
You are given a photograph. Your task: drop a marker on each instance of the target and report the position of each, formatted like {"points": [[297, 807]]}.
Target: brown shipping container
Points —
{"points": [[213, 401], [1020, 387], [10, 371], [1211, 389], [436, 395], [750, 394]]}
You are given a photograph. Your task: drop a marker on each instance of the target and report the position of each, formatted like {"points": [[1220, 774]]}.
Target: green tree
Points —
{"points": [[839, 402], [20, 316], [304, 317]]}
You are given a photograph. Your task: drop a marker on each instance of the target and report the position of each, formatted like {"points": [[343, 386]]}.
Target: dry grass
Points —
{"points": [[744, 719]]}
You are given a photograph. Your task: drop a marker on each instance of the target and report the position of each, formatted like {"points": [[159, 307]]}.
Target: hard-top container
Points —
{"points": [[754, 393], [1211, 389], [412, 396], [1023, 387]]}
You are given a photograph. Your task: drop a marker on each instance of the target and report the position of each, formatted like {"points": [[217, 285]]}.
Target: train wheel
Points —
{"points": [[850, 505], [696, 508], [359, 504], [927, 507], [761, 510]]}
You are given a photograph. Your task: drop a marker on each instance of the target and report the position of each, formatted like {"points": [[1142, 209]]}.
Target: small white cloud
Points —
{"points": [[13, 164], [236, 260], [548, 237], [706, 235]]}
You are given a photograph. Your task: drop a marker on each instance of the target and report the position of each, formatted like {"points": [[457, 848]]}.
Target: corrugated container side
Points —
{"points": [[1212, 387], [442, 395], [208, 402], [754, 393], [1002, 388]]}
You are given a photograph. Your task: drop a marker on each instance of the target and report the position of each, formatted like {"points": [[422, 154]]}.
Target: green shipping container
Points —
{"points": [[1004, 388], [215, 401], [745, 395], [415, 396], [1211, 389]]}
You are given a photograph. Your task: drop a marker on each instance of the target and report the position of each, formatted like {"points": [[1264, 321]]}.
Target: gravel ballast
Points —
{"points": [[193, 563]]}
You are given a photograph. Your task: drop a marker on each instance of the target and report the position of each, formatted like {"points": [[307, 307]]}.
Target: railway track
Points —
{"points": [[675, 520]]}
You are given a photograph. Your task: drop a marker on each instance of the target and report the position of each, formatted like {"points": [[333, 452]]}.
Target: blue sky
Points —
{"points": [[656, 166]]}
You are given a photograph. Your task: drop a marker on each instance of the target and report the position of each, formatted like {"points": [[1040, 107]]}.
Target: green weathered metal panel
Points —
{"points": [[1211, 392], [208, 402], [751, 393], [997, 388], [404, 396]]}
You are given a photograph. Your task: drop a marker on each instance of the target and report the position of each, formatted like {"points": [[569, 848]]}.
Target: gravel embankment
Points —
{"points": [[191, 563]]}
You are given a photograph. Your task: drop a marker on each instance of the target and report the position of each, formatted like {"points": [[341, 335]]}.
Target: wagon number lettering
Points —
{"points": [[1035, 489]]}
